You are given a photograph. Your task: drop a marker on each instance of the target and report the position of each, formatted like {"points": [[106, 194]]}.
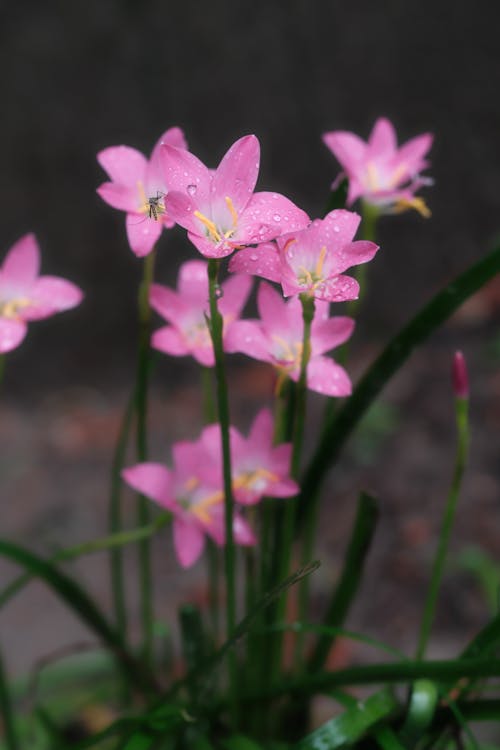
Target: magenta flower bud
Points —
{"points": [[459, 376]]}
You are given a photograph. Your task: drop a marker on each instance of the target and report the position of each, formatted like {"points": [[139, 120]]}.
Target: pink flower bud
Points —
{"points": [[459, 376]]}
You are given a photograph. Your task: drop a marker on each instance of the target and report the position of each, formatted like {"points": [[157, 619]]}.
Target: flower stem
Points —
{"points": [[141, 405], [285, 548], [462, 418], [216, 330], [213, 566]]}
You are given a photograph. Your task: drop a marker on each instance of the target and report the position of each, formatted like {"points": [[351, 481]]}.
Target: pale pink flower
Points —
{"points": [[26, 296], [258, 467], [219, 208], [378, 171], [312, 260], [192, 492], [138, 187], [277, 338], [186, 310]]}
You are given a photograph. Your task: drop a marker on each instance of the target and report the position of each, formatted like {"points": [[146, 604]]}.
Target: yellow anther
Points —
{"points": [[232, 210], [319, 264], [247, 480], [10, 309], [403, 204], [306, 276], [200, 510], [212, 229], [191, 484], [288, 243], [143, 201]]}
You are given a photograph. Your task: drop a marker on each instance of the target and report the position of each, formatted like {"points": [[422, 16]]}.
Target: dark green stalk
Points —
{"points": [[216, 330], [9, 730], [141, 403], [447, 525], [210, 416], [115, 520], [289, 514], [343, 595]]}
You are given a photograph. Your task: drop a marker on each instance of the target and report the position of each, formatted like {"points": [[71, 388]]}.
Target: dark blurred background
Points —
{"points": [[76, 77]]}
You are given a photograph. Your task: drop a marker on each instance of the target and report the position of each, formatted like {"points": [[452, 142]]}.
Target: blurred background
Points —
{"points": [[77, 77]]}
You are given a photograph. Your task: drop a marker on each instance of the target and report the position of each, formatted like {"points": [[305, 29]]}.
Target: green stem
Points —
{"points": [[287, 533], [141, 404], [9, 730], [210, 416], [447, 525], [115, 520], [216, 330]]}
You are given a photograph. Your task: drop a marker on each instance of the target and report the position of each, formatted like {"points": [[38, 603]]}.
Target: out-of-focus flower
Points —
{"points": [[460, 376], [192, 492], [378, 171], [312, 260], [186, 308], [219, 208], [277, 338], [258, 467], [138, 187], [26, 296]]}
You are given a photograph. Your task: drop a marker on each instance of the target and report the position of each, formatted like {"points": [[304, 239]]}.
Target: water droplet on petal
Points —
{"points": [[192, 189], [254, 257], [277, 217], [336, 228]]}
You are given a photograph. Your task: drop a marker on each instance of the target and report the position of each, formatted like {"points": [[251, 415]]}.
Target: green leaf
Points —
{"points": [[432, 315], [240, 742], [338, 197], [76, 598], [353, 724], [362, 535], [9, 729], [423, 703], [387, 739]]}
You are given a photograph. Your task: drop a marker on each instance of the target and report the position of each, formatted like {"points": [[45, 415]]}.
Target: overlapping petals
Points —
{"points": [[277, 338], [378, 171], [186, 310], [219, 208], [312, 260], [138, 187], [25, 296]]}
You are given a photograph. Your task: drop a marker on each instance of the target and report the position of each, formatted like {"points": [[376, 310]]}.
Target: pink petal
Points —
{"points": [[348, 148], [262, 260], [237, 173], [382, 141], [268, 215], [413, 151], [183, 172], [181, 207], [123, 164], [262, 429], [169, 341], [167, 303], [242, 532], [272, 308], [193, 282], [189, 541], [122, 197], [154, 177], [235, 292], [49, 295], [142, 233], [12, 332], [20, 267], [326, 376], [338, 228], [208, 248], [246, 336], [283, 488], [330, 333], [154, 481], [338, 289]]}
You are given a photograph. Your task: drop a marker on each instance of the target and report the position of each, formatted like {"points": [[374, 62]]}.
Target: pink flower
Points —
{"points": [[192, 493], [277, 338], [312, 260], [186, 309], [138, 187], [258, 467], [26, 296], [219, 208], [378, 171]]}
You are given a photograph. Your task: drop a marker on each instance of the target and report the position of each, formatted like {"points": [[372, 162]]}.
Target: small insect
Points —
{"points": [[154, 205]]}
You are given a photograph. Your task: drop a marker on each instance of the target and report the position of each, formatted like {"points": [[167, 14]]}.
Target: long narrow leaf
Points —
{"points": [[436, 312], [6, 712], [75, 597]]}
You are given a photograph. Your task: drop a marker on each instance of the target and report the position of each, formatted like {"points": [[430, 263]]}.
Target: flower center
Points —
{"points": [[255, 480], [153, 206], [215, 233], [312, 278], [10, 308]]}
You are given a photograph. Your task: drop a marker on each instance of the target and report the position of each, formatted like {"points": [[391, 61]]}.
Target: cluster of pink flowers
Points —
{"points": [[267, 236]]}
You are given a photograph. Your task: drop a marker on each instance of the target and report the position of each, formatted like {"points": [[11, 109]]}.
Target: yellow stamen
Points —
{"points": [[143, 201], [403, 204], [306, 275], [200, 510], [191, 484], [212, 229], [246, 481], [10, 309], [288, 243], [319, 264], [232, 211]]}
